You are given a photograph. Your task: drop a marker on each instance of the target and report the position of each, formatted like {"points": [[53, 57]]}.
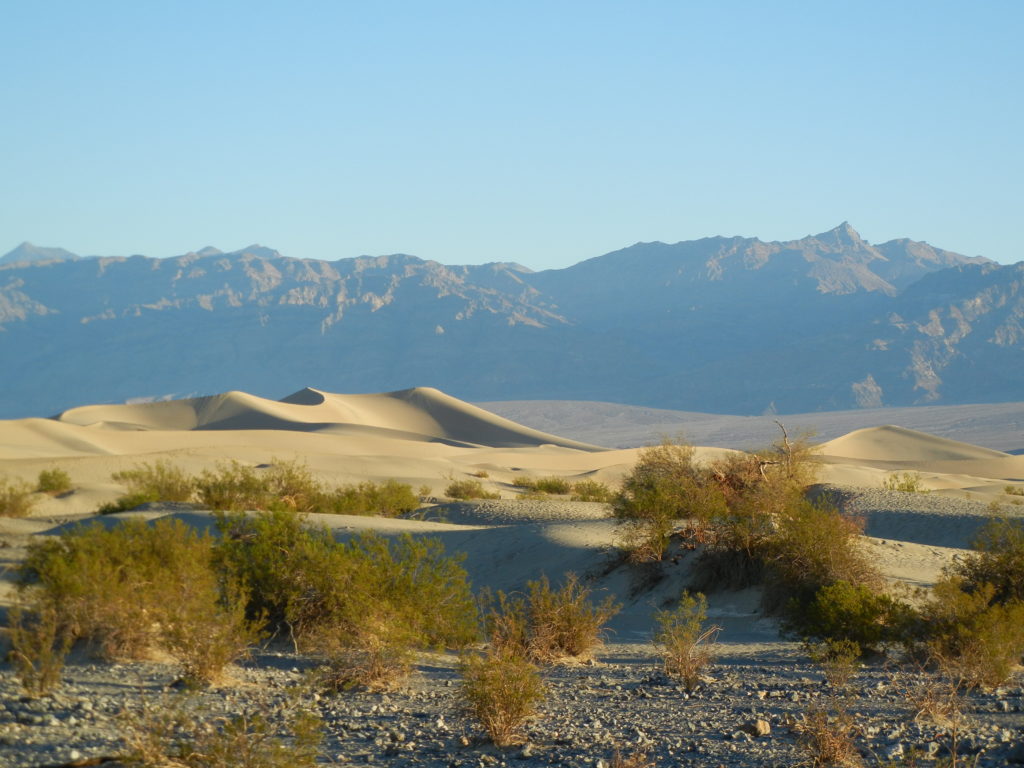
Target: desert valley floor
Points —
{"points": [[622, 700]]}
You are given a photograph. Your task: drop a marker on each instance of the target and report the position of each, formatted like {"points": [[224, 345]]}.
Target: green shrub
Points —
{"points": [[664, 486], [547, 625], [973, 634], [686, 644], [907, 482], [53, 481], [236, 487], [388, 499], [856, 614], [501, 691], [126, 503], [814, 547], [998, 560], [159, 481], [468, 489], [1013, 490], [552, 484], [838, 659], [134, 587], [38, 647], [332, 596], [15, 498], [592, 490]]}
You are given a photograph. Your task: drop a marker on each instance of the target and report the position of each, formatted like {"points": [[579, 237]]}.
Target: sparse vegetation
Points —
{"points": [[547, 625], [907, 482], [386, 499], [687, 645], [468, 489], [838, 659], [592, 490], [135, 587], [159, 481], [543, 485], [38, 647], [1014, 490], [53, 481], [285, 735], [827, 739], [15, 498], [502, 691]]}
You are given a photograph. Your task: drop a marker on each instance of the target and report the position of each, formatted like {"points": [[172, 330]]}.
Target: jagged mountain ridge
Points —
{"points": [[719, 324]]}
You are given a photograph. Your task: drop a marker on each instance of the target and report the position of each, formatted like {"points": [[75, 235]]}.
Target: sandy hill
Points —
{"points": [[421, 412], [892, 443]]}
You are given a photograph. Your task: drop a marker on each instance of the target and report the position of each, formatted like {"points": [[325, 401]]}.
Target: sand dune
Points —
{"points": [[426, 438]]}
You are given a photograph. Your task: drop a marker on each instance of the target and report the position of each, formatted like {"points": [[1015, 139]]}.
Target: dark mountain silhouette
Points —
{"points": [[730, 325]]}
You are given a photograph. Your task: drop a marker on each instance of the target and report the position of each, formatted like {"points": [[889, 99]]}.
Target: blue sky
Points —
{"points": [[537, 132]]}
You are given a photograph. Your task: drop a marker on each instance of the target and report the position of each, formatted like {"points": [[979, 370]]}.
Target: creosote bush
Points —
{"points": [[687, 645], [547, 625], [159, 481], [53, 481], [468, 489], [544, 485], [387, 499], [592, 490], [844, 615], [15, 498], [364, 604], [134, 587], [502, 691]]}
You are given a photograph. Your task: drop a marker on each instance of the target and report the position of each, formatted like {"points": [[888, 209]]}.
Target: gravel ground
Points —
{"points": [[621, 701]]}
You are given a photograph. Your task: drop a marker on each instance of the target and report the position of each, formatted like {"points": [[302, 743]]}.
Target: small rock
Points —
{"points": [[758, 727], [894, 751]]}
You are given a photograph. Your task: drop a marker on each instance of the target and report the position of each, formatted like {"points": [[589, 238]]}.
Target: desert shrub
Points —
{"points": [[38, 647], [907, 482], [636, 759], [335, 597], [481, 473], [546, 625], [468, 489], [592, 490], [159, 481], [376, 659], [552, 484], [664, 485], [998, 560], [15, 498], [136, 586], [125, 503], [1013, 490], [388, 499], [54, 481], [501, 691], [814, 547], [686, 644], [827, 739], [236, 487], [979, 639], [842, 613], [172, 735], [838, 660]]}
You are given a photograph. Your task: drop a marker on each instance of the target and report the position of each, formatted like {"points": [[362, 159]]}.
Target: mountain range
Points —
{"points": [[727, 325]]}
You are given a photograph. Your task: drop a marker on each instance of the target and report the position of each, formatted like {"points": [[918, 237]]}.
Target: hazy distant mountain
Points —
{"points": [[26, 252], [732, 325]]}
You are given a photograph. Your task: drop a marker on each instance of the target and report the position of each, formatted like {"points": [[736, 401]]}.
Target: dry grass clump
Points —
{"points": [[468, 489], [907, 482], [636, 759], [15, 498], [838, 659], [827, 740], [282, 735], [543, 485], [502, 691], [548, 625], [686, 644], [53, 481], [38, 648]]}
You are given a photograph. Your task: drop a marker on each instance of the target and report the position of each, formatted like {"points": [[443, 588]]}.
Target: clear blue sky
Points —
{"points": [[538, 132]]}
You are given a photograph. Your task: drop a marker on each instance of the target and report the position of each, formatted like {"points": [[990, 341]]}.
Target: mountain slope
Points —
{"points": [[719, 324]]}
